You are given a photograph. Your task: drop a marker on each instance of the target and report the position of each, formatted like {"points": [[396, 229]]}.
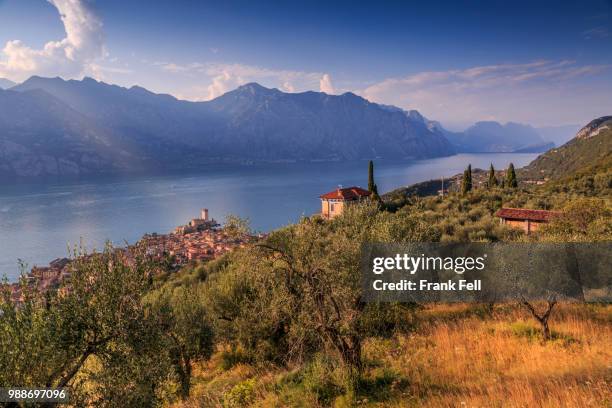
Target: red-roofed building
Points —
{"points": [[528, 220], [334, 202]]}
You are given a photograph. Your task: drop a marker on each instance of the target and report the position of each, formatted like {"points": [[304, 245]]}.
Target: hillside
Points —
{"points": [[249, 123], [590, 150], [584, 165]]}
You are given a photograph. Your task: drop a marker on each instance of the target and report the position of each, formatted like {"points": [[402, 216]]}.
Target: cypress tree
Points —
{"points": [[466, 184], [492, 178], [372, 187], [511, 177], [371, 184]]}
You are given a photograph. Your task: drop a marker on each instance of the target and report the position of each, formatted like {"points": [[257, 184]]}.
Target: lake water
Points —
{"points": [[39, 220]]}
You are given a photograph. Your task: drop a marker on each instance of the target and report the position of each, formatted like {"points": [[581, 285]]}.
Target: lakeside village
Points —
{"points": [[200, 240], [203, 238]]}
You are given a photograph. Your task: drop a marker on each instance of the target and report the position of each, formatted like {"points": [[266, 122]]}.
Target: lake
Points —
{"points": [[39, 220]]}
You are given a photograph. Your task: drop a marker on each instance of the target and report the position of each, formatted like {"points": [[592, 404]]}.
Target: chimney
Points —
{"points": [[204, 214]]}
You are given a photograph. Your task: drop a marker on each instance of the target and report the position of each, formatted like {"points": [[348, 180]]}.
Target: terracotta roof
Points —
{"points": [[350, 193], [525, 214]]}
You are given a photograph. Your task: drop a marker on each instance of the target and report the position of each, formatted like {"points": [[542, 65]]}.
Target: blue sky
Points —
{"points": [[538, 62]]}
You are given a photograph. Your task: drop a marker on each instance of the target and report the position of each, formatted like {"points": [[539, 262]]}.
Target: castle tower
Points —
{"points": [[204, 214]]}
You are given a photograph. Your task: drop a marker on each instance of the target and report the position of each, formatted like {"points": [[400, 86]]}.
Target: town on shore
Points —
{"points": [[200, 239]]}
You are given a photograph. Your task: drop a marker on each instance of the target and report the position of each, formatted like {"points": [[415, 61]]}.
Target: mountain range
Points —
{"points": [[51, 126]]}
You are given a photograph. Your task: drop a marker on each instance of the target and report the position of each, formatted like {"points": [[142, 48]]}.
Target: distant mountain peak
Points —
{"points": [[89, 79], [254, 88], [253, 85], [416, 115]]}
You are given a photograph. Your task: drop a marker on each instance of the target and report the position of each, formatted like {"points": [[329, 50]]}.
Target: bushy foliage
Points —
{"points": [[298, 292], [104, 334], [94, 335], [184, 328]]}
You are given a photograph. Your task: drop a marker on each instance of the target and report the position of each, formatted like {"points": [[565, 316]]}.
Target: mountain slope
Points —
{"points": [[249, 123], [40, 135], [581, 166], [315, 125], [590, 150]]}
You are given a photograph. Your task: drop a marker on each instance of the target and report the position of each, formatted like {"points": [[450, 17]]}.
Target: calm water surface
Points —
{"points": [[39, 220]]}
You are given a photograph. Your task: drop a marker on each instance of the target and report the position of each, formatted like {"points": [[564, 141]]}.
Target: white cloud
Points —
{"points": [[71, 56], [535, 92], [325, 85], [288, 87], [224, 82]]}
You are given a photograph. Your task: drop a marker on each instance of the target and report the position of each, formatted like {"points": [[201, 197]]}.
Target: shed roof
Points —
{"points": [[526, 214]]}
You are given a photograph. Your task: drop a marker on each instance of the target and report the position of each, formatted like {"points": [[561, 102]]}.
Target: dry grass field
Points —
{"points": [[456, 356]]}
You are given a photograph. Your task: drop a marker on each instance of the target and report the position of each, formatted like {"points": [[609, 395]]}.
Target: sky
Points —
{"points": [[544, 63]]}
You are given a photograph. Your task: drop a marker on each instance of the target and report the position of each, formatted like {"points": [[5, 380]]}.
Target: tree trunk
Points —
{"points": [[542, 319], [185, 378], [545, 330]]}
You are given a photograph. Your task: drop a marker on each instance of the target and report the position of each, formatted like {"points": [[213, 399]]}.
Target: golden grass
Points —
{"points": [[461, 357], [475, 362]]}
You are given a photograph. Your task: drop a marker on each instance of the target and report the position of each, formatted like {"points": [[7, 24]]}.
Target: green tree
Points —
{"points": [[187, 332], [511, 180], [371, 176], [466, 183], [372, 187], [237, 227], [94, 335], [492, 179], [298, 292]]}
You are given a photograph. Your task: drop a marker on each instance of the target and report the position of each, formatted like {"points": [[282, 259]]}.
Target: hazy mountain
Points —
{"points": [[6, 84], [492, 136], [249, 123], [39, 135], [315, 125], [590, 150]]}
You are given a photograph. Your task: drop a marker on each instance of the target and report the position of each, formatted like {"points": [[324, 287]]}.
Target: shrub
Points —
{"points": [[241, 395]]}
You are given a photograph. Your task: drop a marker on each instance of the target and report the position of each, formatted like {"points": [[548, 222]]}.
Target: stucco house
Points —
{"points": [[334, 202]]}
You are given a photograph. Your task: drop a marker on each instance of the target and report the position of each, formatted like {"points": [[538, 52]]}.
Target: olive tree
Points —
{"points": [[187, 334], [299, 291], [93, 335]]}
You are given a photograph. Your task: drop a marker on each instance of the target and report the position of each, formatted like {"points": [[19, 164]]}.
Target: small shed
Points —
{"points": [[528, 220]]}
